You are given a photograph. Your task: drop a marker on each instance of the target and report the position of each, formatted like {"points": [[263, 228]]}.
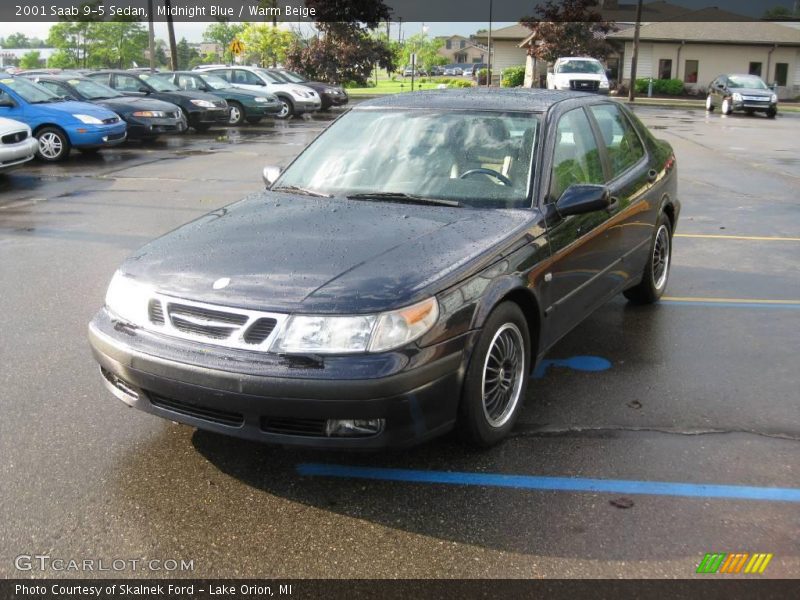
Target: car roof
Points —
{"points": [[491, 99]]}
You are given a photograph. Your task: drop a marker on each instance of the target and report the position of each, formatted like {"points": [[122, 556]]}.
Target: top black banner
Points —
{"points": [[309, 11]]}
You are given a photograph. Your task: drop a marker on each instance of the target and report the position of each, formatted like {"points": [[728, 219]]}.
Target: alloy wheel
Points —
{"points": [[50, 145], [661, 256], [234, 115], [503, 375], [284, 111]]}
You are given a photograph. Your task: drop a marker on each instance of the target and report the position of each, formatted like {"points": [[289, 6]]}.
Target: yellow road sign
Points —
{"points": [[237, 47]]}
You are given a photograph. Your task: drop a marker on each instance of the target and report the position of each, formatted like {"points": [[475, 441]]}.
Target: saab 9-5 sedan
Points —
{"points": [[401, 277]]}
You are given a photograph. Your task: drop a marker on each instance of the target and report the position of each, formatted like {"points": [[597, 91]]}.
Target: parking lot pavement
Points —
{"points": [[661, 403]]}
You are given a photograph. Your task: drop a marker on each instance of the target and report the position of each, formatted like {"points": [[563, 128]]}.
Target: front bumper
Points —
{"points": [[304, 105], [273, 399], [262, 109], [209, 115], [755, 105], [97, 136], [12, 155], [148, 127], [334, 99]]}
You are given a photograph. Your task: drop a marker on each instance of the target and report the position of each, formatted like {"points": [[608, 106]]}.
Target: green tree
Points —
{"points": [[778, 12], [30, 60], [426, 49], [17, 40], [267, 44], [568, 28], [186, 54], [223, 33], [117, 44]]}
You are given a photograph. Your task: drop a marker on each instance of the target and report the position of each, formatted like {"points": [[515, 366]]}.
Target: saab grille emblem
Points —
{"points": [[222, 282]]}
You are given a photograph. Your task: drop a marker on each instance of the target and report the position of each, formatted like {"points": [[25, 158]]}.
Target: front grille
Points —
{"points": [[259, 331], [111, 120], [15, 138], [115, 136], [213, 324], [584, 85], [214, 415], [155, 312], [292, 426]]}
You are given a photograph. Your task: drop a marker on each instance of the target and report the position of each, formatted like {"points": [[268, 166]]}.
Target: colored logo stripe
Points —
{"points": [[721, 562]]}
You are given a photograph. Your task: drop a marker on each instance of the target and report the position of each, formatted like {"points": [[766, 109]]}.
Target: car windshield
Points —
{"points": [[746, 81], [293, 77], [271, 77], [215, 82], [476, 158], [91, 90], [580, 66], [31, 92], [160, 83]]}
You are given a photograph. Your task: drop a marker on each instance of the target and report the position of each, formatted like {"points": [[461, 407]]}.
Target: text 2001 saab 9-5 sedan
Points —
{"points": [[401, 277]]}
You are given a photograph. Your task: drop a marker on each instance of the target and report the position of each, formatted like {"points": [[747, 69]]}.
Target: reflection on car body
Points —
{"points": [[401, 277]]}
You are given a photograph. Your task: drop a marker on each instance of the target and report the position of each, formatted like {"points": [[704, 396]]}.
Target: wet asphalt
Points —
{"points": [[699, 390]]}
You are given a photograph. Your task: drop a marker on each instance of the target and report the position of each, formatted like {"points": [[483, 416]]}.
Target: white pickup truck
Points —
{"points": [[580, 74]]}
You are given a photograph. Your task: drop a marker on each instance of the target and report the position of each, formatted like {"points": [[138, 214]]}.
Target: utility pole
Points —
{"points": [[489, 40], [635, 56], [151, 39], [173, 47]]}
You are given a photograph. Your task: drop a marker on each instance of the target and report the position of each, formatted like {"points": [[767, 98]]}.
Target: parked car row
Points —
{"points": [[92, 110]]}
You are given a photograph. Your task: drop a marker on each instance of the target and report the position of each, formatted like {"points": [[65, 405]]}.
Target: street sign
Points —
{"points": [[237, 47]]}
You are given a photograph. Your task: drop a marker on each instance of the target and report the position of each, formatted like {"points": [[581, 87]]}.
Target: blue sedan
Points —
{"points": [[59, 125]]}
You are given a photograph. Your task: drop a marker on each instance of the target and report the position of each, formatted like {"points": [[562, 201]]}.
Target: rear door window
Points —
{"points": [[619, 137]]}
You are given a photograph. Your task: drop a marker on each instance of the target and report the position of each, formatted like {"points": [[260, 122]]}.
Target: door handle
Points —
{"points": [[652, 175]]}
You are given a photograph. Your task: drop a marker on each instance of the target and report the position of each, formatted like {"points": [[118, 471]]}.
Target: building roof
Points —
{"points": [[734, 33], [490, 99], [517, 31]]}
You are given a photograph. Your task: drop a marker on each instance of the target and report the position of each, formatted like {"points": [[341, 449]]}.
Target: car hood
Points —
{"points": [[135, 103], [295, 253], [71, 107], [753, 92], [583, 76], [184, 95], [10, 125], [242, 93]]}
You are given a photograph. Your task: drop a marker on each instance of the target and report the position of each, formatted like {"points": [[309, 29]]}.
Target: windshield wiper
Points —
{"points": [[403, 198], [293, 189]]}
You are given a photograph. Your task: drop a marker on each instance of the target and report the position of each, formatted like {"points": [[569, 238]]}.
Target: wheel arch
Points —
{"points": [[41, 126]]}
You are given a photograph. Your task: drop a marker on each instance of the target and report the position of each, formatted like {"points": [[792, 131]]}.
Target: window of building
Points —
{"points": [[755, 68], [462, 44], [449, 44], [665, 68], [781, 73], [690, 72]]}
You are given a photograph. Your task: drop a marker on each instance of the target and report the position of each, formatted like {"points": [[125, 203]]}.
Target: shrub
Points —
{"points": [[513, 77], [481, 76], [459, 83], [670, 87]]}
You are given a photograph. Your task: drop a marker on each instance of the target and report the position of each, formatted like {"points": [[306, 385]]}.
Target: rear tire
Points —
{"points": [[709, 103], [656, 270], [496, 379], [54, 144]]}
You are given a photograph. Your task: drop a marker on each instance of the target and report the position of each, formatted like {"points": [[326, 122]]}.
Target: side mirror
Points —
{"points": [[578, 199], [7, 103], [144, 90], [270, 174]]}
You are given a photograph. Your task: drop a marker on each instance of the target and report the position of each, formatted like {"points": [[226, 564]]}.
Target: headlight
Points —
{"points": [[604, 84], [361, 333], [149, 113], [88, 119], [301, 92], [333, 91], [737, 97], [128, 299], [203, 103], [261, 99], [773, 98]]}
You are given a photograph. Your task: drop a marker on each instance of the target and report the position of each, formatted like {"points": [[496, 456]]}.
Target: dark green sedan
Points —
{"points": [[244, 105]]}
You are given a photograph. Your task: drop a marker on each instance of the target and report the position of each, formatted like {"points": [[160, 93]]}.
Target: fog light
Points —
{"points": [[353, 427]]}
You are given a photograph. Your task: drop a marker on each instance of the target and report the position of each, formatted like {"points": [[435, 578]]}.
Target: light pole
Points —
{"points": [[489, 46]]}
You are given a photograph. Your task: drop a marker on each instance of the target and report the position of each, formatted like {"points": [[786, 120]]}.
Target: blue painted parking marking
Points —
{"points": [[565, 484], [577, 363]]}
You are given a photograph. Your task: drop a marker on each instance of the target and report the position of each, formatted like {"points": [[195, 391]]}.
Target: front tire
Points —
{"points": [[727, 108], [709, 103], [54, 144], [496, 379], [771, 113], [236, 114], [287, 109], [656, 270]]}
